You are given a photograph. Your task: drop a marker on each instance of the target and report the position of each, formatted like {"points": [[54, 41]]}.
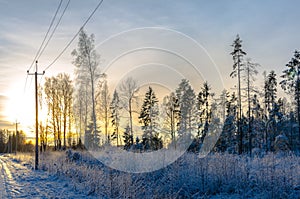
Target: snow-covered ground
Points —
{"points": [[215, 176], [18, 180]]}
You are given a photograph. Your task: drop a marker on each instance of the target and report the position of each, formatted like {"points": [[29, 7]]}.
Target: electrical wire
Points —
{"points": [[41, 78], [24, 90], [74, 37], [58, 22], [52, 21]]}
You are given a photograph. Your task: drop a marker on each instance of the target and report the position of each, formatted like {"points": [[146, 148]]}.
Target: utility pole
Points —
{"points": [[16, 136], [36, 115]]}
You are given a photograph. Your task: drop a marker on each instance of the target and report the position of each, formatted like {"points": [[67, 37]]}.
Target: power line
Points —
{"points": [[25, 84], [31, 79], [58, 22], [41, 79], [74, 37], [52, 21]]}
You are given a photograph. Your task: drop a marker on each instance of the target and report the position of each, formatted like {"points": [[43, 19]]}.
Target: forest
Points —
{"points": [[254, 119], [83, 112]]}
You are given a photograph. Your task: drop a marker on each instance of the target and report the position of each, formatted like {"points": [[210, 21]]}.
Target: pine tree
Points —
{"points": [[149, 116], [237, 55]]}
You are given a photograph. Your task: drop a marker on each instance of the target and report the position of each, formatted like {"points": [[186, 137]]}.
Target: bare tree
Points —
{"points": [[59, 93], [103, 103], [51, 93], [128, 90], [249, 77], [66, 87], [81, 109], [171, 109]]}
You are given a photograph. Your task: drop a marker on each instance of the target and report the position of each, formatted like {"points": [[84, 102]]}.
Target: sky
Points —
{"points": [[269, 30]]}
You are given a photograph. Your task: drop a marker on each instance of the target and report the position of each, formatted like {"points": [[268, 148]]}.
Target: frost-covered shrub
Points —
{"points": [[281, 143], [72, 156], [228, 175]]}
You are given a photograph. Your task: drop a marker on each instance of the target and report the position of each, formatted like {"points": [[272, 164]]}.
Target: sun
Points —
{"points": [[20, 107]]}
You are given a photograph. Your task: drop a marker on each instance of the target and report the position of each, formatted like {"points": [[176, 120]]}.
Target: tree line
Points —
{"points": [[84, 112], [12, 142]]}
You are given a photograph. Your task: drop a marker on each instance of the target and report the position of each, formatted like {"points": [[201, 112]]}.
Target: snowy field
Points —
{"points": [[215, 176]]}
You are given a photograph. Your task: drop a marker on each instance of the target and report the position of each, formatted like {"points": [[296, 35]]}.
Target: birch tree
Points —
{"points": [[87, 60], [103, 103], [128, 94]]}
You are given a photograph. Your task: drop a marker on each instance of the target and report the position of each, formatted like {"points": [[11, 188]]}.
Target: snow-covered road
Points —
{"points": [[18, 181]]}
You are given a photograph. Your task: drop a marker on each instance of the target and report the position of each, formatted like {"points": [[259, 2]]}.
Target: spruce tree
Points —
{"points": [[149, 116], [270, 90], [291, 83], [128, 138], [270, 103], [186, 99], [204, 109], [115, 116]]}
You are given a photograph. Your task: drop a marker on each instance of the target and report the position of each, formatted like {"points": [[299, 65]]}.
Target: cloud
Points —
{"points": [[3, 122], [3, 100]]}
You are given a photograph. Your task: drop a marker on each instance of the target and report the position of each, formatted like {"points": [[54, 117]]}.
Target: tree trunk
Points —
{"points": [[249, 112], [93, 107], [298, 104], [240, 133], [130, 116], [65, 129]]}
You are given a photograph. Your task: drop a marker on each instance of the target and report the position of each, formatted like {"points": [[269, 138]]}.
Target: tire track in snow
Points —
{"points": [[18, 181], [4, 191]]}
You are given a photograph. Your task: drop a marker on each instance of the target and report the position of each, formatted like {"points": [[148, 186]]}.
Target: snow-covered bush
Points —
{"points": [[72, 156], [228, 175], [281, 143]]}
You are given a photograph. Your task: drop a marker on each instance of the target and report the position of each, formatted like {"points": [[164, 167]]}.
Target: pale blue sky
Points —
{"points": [[269, 28]]}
